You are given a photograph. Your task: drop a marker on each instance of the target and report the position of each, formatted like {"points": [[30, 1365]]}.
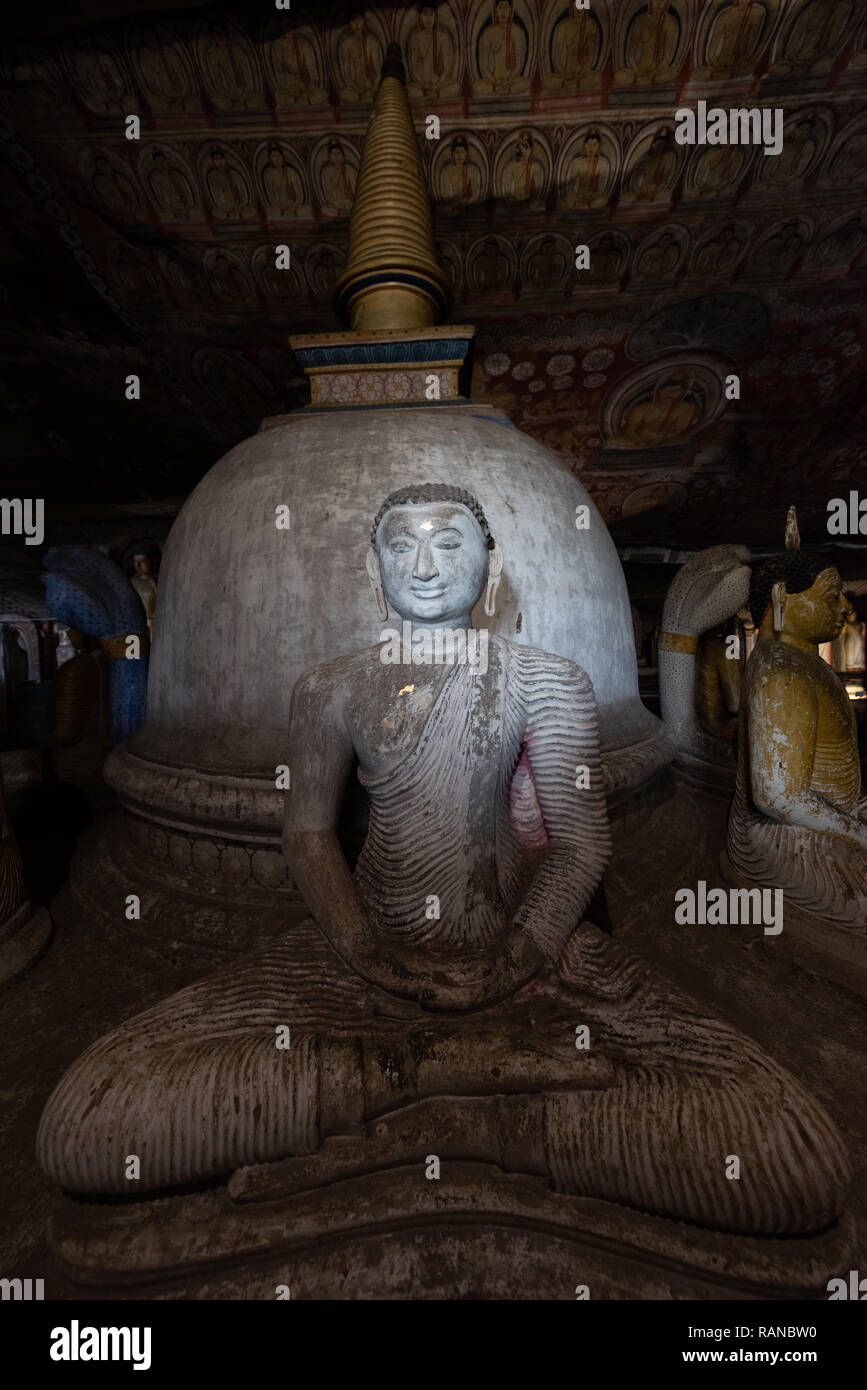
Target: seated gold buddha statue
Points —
{"points": [[798, 820], [718, 683], [433, 998]]}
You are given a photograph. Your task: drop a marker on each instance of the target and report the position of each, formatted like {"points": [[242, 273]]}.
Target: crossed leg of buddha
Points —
{"points": [[648, 1120]]}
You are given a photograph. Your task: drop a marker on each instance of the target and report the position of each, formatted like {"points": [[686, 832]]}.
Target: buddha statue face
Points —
{"points": [[815, 615], [459, 152], [433, 561], [503, 11], [142, 564]]}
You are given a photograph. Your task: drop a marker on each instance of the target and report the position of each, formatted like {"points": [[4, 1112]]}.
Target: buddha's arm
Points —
{"points": [[561, 738], [730, 673], [321, 758], [783, 723]]}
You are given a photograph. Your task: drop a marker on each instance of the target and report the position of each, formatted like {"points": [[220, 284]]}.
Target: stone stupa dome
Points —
{"points": [[246, 606]]}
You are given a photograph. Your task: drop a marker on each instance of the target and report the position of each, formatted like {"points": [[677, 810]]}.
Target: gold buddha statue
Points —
{"points": [[798, 820], [718, 670]]}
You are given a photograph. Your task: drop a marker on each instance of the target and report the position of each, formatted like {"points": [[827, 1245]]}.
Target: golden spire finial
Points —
{"points": [[392, 279]]}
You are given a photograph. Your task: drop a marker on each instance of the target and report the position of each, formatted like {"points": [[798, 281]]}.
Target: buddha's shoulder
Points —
{"points": [[337, 674], [531, 663], [772, 660]]}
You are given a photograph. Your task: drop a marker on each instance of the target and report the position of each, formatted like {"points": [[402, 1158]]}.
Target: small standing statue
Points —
{"points": [[452, 963], [139, 559], [798, 820]]}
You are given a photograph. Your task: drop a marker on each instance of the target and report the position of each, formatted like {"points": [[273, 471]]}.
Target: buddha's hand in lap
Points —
{"points": [[463, 983]]}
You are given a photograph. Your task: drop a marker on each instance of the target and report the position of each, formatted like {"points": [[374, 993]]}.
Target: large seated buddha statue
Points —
{"points": [[434, 995], [799, 820]]}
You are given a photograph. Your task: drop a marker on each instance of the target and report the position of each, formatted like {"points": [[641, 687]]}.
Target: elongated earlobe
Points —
{"points": [[376, 584], [495, 570], [778, 604]]}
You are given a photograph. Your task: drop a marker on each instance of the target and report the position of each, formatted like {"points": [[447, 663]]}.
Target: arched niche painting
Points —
{"points": [[574, 47], [225, 183], [113, 184], [663, 403], [185, 277], [97, 72], [164, 70], [170, 184], [609, 254], [846, 164], [334, 164], [491, 265], [501, 47], [652, 167], [837, 248], [229, 68], [132, 276], [777, 252], [717, 255], [650, 43], [33, 82], [432, 52], [323, 268], [281, 182], [294, 62], [806, 135], [449, 257], [731, 37], [522, 168], [715, 171], [811, 35], [358, 48], [230, 282], [546, 263], [587, 167], [659, 257], [460, 171], [278, 286]]}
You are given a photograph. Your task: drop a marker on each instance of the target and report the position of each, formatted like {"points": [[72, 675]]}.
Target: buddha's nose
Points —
{"points": [[424, 564]]}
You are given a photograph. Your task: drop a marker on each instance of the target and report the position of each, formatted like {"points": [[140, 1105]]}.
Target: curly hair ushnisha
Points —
{"points": [[793, 568], [434, 492]]}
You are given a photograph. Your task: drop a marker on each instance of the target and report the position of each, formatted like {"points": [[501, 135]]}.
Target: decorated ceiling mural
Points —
{"points": [[618, 279]]}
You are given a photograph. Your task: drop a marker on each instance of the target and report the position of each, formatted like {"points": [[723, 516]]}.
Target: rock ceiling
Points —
{"points": [[156, 256]]}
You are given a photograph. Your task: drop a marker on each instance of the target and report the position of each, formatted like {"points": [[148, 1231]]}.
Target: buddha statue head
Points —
{"points": [[431, 556], [798, 596]]}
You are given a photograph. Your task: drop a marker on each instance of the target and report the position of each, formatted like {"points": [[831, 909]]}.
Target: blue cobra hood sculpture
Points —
{"points": [[87, 590]]}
